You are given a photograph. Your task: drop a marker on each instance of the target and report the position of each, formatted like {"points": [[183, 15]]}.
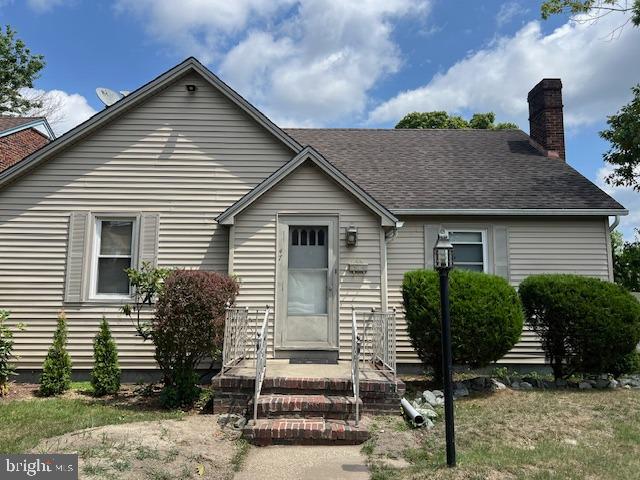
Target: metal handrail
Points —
{"points": [[236, 336], [380, 336], [356, 345], [261, 361]]}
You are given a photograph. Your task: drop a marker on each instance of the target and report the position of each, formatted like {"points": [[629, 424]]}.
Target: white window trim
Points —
{"points": [[95, 253], [485, 252]]}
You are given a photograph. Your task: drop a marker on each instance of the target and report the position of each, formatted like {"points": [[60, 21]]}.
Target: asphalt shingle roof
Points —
{"points": [[7, 121], [433, 169]]}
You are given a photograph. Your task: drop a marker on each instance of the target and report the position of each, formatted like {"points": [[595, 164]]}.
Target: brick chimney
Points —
{"points": [[546, 126]]}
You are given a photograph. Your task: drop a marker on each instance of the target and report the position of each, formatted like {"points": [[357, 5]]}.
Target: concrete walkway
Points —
{"points": [[305, 463]]}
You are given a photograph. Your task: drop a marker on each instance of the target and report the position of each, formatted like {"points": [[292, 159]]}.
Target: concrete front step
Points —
{"points": [[327, 406], [307, 431]]}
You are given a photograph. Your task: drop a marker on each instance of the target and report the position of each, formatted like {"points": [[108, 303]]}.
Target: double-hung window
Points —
{"points": [[113, 253], [469, 249]]}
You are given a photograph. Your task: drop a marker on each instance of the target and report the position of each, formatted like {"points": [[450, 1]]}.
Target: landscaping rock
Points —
{"points": [[228, 418], [429, 397], [515, 385], [438, 393], [461, 391], [602, 383], [479, 384], [240, 423], [585, 385], [613, 384], [496, 385], [561, 383], [525, 386], [428, 424], [427, 413]]}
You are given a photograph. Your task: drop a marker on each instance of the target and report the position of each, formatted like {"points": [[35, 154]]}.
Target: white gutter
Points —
{"points": [[509, 211]]}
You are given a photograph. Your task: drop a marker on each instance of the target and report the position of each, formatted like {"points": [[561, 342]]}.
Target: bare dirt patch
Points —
{"points": [[20, 391], [171, 449]]}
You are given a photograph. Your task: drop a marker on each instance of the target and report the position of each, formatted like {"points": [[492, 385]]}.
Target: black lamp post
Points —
{"points": [[443, 262]]}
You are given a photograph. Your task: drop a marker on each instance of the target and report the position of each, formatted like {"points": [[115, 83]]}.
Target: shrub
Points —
{"points": [[585, 325], [188, 326], [486, 317], [7, 369], [105, 376], [56, 371]]}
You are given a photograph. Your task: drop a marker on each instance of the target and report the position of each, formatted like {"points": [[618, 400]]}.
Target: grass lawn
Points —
{"points": [[519, 435], [24, 423]]}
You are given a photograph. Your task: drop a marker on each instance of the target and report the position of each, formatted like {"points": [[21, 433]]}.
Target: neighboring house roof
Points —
{"points": [[135, 98], [10, 124], [423, 171], [308, 154], [20, 137]]}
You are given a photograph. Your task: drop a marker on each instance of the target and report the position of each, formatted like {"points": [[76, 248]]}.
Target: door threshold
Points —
{"points": [[313, 361]]}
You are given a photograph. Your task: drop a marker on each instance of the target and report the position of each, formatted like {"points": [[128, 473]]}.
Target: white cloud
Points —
{"points": [[304, 62], [41, 6], [200, 27], [628, 197], [509, 11], [597, 75], [63, 110]]}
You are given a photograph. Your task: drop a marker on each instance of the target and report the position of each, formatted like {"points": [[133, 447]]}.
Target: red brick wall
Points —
{"points": [[546, 125], [14, 148]]}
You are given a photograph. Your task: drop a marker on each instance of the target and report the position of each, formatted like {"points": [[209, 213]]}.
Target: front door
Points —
{"points": [[307, 286]]}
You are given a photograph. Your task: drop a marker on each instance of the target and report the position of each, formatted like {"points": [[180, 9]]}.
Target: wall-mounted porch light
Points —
{"points": [[352, 236]]}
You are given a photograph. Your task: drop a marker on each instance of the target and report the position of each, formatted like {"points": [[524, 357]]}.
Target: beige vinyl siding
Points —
{"points": [[307, 190], [548, 245], [186, 156]]}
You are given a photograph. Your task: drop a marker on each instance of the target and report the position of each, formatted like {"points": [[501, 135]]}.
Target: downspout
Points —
{"points": [[615, 223]]}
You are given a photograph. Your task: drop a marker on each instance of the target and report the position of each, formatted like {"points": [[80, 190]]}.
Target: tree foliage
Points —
{"points": [[486, 317], [105, 376], [585, 325], [7, 369], [18, 69], [56, 371], [189, 326], [595, 7], [626, 262], [147, 284], [441, 119], [624, 136]]}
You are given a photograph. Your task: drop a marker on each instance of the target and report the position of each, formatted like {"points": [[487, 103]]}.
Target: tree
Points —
{"points": [[18, 69], [7, 369], [56, 371], [105, 376], [624, 135], [441, 119], [596, 8], [626, 262]]}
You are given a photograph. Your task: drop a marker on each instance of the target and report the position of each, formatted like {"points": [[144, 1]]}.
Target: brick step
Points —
{"points": [[327, 406], [309, 431]]}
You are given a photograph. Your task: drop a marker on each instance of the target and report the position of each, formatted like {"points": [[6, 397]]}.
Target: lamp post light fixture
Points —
{"points": [[443, 262]]}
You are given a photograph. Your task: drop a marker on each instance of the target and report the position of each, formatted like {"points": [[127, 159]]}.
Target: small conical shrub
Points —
{"points": [[105, 376], [56, 371]]}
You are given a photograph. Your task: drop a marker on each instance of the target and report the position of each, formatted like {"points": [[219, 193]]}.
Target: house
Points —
{"points": [[21, 136], [184, 172]]}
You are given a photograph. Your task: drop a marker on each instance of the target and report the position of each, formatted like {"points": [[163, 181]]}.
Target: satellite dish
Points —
{"points": [[108, 96]]}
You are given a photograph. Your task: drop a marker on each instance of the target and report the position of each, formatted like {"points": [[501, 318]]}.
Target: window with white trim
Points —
{"points": [[113, 253], [469, 249]]}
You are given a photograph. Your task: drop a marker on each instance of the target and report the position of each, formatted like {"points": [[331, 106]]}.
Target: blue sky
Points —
{"points": [[339, 63]]}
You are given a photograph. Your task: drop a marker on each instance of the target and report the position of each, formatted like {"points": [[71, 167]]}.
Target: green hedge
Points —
{"points": [[486, 317], [586, 325]]}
